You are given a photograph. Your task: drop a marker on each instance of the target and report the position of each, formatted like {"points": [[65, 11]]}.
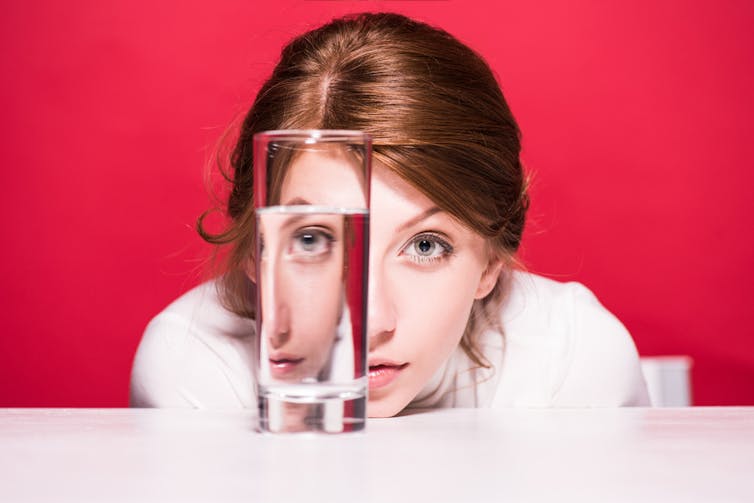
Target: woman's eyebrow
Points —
{"points": [[297, 201], [418, 218], [294, 219]]}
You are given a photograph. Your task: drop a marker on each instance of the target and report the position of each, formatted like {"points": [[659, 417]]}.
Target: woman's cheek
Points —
{"points": [[438, 313], [315, 304]]}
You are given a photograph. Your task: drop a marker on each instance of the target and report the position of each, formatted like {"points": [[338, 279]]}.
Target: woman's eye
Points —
{"points": [[427, 248], [311, 243]]}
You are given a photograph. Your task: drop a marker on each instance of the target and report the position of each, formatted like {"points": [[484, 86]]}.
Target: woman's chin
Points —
{"points": [[384, 407]]}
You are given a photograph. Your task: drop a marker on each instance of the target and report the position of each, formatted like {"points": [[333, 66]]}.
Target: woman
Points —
{"points": [[452, 323]]}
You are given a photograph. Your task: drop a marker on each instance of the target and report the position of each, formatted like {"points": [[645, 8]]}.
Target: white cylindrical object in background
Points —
{"points": [[668, 380]]}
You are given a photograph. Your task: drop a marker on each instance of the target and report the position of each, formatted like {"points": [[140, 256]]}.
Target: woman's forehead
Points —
{"points": [[326, 177], [398, 202], [388, 185], [320, 178]]}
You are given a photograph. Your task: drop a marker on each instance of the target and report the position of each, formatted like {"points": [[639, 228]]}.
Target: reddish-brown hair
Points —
{"points": [[437, 117]]}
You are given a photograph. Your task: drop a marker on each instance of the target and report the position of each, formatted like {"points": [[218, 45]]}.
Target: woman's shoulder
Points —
{"points": [[542, 307], [569, 348], [194, 353], [202, 310], [529, 291]]}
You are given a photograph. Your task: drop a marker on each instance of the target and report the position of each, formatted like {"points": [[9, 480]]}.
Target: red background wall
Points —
{"points": [[637, 128]]}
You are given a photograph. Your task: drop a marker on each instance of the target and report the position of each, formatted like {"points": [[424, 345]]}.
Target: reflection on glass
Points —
{"points": [[301, 274]]}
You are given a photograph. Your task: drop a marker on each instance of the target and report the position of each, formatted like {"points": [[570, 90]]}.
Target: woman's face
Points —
{"points": [[301, 277], [425, 271]]}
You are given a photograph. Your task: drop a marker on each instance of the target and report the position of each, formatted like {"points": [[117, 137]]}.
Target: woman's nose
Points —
{"points": [[381, 318], [279, 326], [276, 314]]}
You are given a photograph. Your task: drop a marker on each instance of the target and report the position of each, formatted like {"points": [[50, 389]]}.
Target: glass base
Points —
{"points": [[281, 415]]}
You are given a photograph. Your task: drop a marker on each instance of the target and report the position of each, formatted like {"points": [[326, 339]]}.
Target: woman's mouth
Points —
{"points": [[382, 374], [283, 366]]}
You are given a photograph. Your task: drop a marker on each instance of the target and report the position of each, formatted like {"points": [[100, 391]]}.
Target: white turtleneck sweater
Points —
{"points": [[562, 349]]}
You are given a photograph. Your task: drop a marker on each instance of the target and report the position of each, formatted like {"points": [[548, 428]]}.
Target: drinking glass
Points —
{"points": [[311, 198]]}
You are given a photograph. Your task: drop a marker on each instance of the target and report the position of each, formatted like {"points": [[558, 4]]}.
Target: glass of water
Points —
{"points": [[311, 197]]}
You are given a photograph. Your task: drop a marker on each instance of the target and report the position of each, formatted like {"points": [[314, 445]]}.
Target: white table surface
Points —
{"points": [[691, 454]]}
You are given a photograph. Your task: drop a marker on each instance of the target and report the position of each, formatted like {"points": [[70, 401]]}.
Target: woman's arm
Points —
{"points": [[175, 366], [602, 365]]}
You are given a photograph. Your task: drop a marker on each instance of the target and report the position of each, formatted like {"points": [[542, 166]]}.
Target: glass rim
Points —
{"points": [[314, 134]]}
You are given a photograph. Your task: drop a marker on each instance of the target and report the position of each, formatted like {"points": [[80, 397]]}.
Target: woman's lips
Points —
{"points": [[283, 365], [382, 374]]}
